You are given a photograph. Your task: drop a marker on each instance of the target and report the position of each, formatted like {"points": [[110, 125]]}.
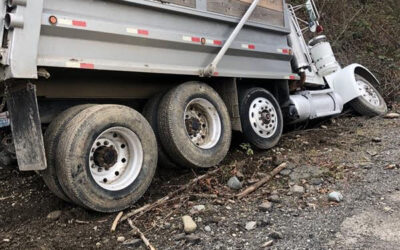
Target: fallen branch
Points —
{"points": [[115, 223], [264, 180], [163, 200], [138, 232]]}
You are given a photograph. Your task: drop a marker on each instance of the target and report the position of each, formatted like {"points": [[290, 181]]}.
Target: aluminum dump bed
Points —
{"points": [[172, 37]]}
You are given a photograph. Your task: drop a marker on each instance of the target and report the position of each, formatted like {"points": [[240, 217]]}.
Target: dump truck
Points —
{"points": [[97, 93]]}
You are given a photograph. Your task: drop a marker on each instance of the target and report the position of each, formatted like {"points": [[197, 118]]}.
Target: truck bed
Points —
{"points": [[172, 37]]}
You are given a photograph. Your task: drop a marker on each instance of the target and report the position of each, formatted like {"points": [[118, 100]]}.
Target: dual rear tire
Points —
{"points": [[102, 157]]}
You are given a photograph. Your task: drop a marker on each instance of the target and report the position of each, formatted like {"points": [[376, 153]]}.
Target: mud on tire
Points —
{"points": [[107, 136], [194, 125]]}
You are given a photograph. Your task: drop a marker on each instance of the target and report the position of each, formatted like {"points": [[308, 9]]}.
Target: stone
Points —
{"points": [[274, 198], [134, 243], [120, 238], [324, 127], [335, 196], [207, 228], [392, 115], [296, 189], [55, 215], [197, 209], [265, 206], [316, 181], [285, 172], [98, 244], [251, 225], [234, 183], [189, 226], [376, 139], [275, 235]]}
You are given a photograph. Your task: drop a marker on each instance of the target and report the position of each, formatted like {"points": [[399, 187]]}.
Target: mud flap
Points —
{"points": [[26, 127]]}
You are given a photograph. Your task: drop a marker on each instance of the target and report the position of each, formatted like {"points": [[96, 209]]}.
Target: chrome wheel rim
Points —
{"points": [[263, 117], [202, 123], [368, 93], [116, 158]]}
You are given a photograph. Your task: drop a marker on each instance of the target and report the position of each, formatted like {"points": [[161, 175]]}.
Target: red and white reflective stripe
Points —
{"points": [[79, 65], [213, 42], [196, 39], [248, 46], [193, 39], [285, 51], [137, 31], [71, 22]]}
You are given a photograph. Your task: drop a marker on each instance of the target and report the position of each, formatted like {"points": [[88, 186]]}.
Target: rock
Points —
{"points": [[251, 225], [120, 238], [98, 244], [296, 189], [387, 209], [335, 196], [324, 127], [316, 181], [372, 153], [306, 172], [6, 240], [134, 243], [392, 116], [189, 226], [275, 235], [265, 206], [55, 215], [390, 166], [234, 183], [197, 209], [207, 228], [285, 172], [274, 198], [376, 139]]}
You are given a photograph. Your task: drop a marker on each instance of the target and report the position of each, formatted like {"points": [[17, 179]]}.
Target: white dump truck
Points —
{"points": [[97, 93]]}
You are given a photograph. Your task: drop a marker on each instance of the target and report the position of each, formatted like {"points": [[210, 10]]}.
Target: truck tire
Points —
{"points": [[194, 125], [370, 103], [261, 118], [150, 112], [51, 139], [107, 157]]}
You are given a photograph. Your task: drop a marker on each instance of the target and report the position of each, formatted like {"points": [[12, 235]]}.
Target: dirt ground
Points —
{"points": [[357, 156]]}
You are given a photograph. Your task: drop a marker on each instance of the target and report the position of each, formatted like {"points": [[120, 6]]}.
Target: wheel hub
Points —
{"points": [[202, 123], [263, 117], [105, 157], [116, 158], [368, 93]]}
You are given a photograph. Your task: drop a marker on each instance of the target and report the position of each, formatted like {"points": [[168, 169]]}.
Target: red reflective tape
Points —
{"points": [[285, 51], [216, 74], [196, 39], [87, 66], [252, 46], [143, 32], [79, 23], [217, 42], [292, 77]]}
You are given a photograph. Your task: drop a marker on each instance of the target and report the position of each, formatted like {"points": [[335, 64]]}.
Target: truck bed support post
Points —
{"points": [[211, 68], [25, 125]]}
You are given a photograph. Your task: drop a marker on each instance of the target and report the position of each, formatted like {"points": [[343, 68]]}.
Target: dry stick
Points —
{"points": [[264, 180], [115, 223], [163, 200], [144, 239]]}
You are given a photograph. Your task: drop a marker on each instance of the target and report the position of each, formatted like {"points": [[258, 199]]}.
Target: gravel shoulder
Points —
{"points": [[356, 156]]}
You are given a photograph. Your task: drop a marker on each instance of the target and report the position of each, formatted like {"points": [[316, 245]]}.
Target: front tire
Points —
{"points": [[107, 157], [194, 125], [370, 103], [261, 118]]}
